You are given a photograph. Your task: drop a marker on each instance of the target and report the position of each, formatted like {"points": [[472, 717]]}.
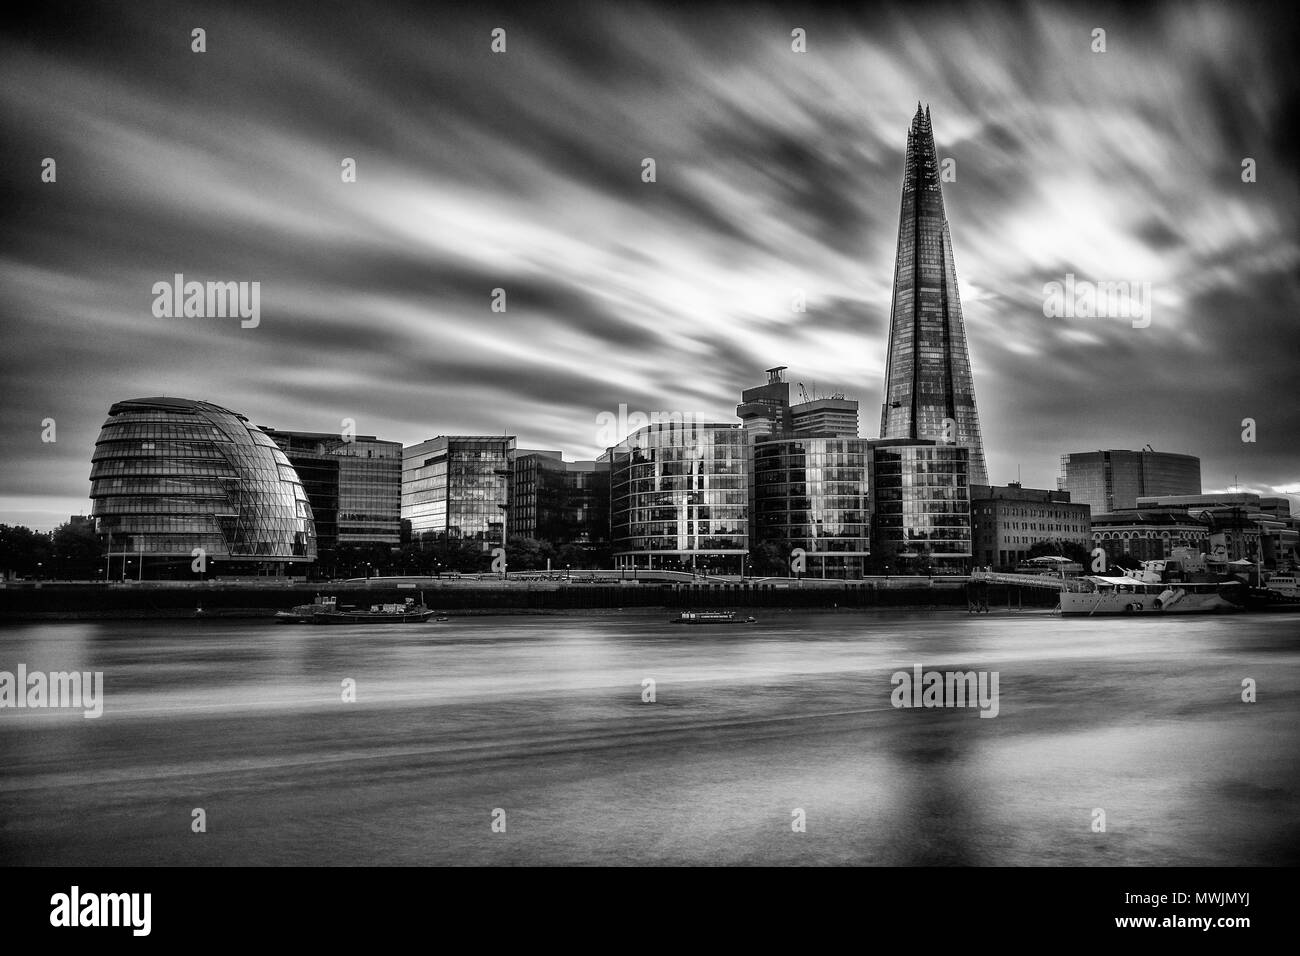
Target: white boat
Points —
{"points": [[1131, 595], [1285, 584]]}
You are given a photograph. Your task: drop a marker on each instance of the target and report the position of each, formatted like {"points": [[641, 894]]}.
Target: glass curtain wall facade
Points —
{"points": [[811, 493], [588, 491], [928, 372], [562, 502], [458, 486], [1113, 480], [170, 475], [538, 494], [319, 475], [921, 498], [354, 485], [370, 492], [679, 498]]}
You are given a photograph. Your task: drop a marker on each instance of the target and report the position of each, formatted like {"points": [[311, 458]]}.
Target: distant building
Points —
{"points": [[1006, 521], [1114, 480], [176, 481], [1277, 507], [920, 494], [1242, 525], [1200, 502], [354, 485], [679, 497], [458, 486], [765, 409], [835, 416], [811, 493], [1279, 541], [1142, 534]]}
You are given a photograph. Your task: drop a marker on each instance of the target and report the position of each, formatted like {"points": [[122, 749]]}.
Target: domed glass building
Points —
{"points": [[171, 475]]}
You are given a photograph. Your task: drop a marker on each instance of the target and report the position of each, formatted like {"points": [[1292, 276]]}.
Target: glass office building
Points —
{"points": [[1114, 480], [921, 500], [458, 486], [538, 494], [928, 371], [587, 490], [354, 485], [172, 475], [679, 497], [811, 493], [562, 502]]}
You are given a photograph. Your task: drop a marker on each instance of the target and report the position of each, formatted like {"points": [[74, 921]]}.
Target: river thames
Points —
{"points": [[543, 726]]}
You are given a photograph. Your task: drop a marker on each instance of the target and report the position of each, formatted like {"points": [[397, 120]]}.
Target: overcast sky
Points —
{"points": [[776, 171]]}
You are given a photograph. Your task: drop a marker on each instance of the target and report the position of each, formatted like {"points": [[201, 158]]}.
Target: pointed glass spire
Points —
{"points": [[928, 375]]}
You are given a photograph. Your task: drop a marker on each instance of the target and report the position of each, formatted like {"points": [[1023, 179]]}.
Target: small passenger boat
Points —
{"points": [[712, 617]]}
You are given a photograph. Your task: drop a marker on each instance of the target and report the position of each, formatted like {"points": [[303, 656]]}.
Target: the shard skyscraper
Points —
{"points": [[928, 374]]}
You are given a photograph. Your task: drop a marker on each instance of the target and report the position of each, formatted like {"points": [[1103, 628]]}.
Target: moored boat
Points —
{"points": [[1129, 595], [1280, 592], [304, 613], [1285, 585], [406, 613], [711, 617]]}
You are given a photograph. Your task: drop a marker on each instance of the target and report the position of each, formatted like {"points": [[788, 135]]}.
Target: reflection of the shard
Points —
{"points": [[938, 814]]}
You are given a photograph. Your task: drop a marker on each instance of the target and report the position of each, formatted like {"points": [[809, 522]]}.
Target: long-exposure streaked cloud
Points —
{"points": [[776, 171]]}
